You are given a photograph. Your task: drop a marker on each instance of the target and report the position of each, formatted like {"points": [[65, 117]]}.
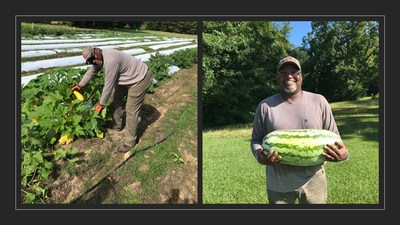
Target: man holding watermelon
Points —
{"points": [[124, 76], [294, 109]]}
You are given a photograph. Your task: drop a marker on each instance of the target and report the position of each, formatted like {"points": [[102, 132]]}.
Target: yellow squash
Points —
{"points": [[79, 96]]}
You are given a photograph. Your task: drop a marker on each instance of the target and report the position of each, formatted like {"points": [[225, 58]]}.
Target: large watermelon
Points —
{"points": [[302, 147]]}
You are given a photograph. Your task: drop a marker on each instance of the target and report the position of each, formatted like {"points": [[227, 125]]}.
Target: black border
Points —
{"points": [[204, 10], [199, 205], [18, 204], [199, 112]]}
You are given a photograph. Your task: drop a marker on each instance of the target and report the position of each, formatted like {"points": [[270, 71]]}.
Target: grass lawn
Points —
{"points": [[231, 175]]}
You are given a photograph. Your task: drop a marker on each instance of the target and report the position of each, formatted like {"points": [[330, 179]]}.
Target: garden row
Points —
{"points": [[51, 116]]}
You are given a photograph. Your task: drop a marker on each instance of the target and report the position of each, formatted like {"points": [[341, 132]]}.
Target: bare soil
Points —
{"points": [[91, 180]]}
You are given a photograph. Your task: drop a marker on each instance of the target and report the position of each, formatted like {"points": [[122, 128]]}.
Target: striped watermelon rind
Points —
{"points": [[300, 147]]}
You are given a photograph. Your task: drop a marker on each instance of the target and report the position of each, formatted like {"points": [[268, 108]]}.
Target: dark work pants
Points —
{"points": [[134, 101]]}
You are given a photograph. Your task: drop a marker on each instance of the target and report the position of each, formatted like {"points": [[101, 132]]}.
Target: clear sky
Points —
{"points": [[299, 30]]}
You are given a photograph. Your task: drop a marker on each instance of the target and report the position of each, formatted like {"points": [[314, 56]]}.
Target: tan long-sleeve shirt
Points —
{"points": [[119, 68], [312, 111]]}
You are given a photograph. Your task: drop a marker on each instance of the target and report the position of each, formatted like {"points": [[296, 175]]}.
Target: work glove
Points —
{"points": [[76, 88], [98, 107]]}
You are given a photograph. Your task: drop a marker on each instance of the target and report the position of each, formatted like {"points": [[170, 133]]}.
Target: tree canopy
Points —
{"points": [[239, 65], [340, 60], [343, 59]]}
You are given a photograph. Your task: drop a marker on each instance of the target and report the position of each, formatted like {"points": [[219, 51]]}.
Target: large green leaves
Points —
{"points": [[50, 111]]}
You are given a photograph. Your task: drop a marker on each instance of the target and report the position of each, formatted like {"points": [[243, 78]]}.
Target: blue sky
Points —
{"points": [[299, 29]]}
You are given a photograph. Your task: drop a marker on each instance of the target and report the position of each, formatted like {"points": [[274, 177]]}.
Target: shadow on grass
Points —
{"points": [[148, 115], [360, 119], [105, 190], [101, 190], [175, 199]]}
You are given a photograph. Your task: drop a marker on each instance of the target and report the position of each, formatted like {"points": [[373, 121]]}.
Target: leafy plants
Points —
{"points": [[185, 58], [178, 159], [159, 63], [51, 115]]}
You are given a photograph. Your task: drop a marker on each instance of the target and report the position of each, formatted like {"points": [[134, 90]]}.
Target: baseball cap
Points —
{"points": [[289, 59], [87, 54]]}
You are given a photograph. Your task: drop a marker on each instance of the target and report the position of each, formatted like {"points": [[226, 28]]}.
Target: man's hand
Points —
{"points": [[98, 108], [271, 159], [76, 88], [335, 153]]}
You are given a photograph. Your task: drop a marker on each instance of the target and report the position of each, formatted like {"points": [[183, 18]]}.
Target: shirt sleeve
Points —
{"points": [[257, 133], [93, 70], [110, 80]]}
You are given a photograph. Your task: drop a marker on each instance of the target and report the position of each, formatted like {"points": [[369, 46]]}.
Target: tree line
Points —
{"points": [[340, 60], [182, 27]]}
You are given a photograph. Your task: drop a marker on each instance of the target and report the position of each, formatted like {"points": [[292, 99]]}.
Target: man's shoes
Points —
{"points": [[124, 148]]}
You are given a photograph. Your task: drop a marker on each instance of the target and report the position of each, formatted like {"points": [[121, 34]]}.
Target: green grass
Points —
{"points": [[182, 123], [231, 175]]}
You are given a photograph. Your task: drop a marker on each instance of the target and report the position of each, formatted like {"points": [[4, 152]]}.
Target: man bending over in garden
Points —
{"points": [[124, 76]]}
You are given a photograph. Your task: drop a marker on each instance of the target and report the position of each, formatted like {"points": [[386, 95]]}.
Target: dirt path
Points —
{"points": [[98, 157]]}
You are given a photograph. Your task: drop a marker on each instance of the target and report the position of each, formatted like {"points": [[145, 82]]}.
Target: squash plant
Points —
{"points": [[51, 115]]}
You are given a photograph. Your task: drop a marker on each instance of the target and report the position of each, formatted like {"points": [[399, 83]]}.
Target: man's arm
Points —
{"points": [[110, 80], [93, 70]]}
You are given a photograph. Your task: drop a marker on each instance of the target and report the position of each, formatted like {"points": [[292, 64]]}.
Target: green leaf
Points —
{"points": [[39, 189], [24, 181], [52, 140], [71, 151], [59, 154], [28, 170], [27, 159], [35, 141], [99, 134], [44, 173], [104, 113], [77, 119], [79, 131], [73, 160], [38, 157], [90, 132], [178, 159], [29, 198], [47, 164], [81, 107]]}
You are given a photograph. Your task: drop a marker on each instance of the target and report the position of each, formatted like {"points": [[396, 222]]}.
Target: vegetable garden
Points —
{"points": [[64, 140]]}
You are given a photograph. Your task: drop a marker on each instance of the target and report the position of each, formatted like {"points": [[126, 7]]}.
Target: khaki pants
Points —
{"points": [[134, 101], [313, 192]]}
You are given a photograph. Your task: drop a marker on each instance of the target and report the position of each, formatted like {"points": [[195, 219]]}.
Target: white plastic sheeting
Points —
{"points": [[35, 48], [155, 47], [88, 39], [123, 43], [66, 61], [173, 69]]}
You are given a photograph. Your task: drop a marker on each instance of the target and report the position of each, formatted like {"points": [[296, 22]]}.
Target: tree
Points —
{"points": [[343, 61], [239, 68]]}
